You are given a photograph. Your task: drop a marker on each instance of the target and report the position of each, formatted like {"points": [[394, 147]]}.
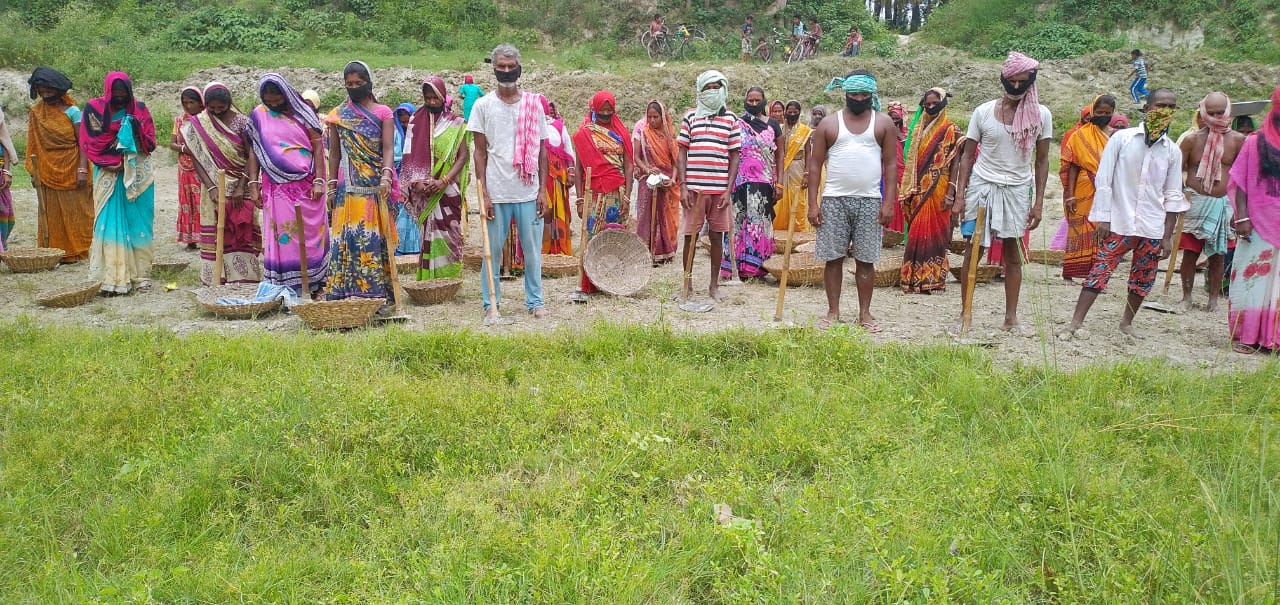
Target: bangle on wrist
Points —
{"points": [[1241, 220]]}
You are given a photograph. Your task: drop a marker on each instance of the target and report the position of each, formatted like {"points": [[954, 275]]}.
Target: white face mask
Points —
{"points": [[712, 100]]}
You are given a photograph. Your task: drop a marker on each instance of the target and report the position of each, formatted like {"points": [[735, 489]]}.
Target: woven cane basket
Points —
{"points": [[805, 270], [891, 238], [170, 265], [959, 246], [986, 273], [32, 260], [407, 264], [559, 265], [618, 262], [71, 296], [1047, 257], [432, 291], [799, 238], [888, 271], [338, 314], [472, 258], [207, 298]]}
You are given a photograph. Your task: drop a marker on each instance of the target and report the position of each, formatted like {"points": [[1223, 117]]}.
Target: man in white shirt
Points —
{"points": [[1138, 199], [510, 154], [1014, 132]]}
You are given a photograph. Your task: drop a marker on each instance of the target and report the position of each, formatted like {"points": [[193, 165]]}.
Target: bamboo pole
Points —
{"points": [[786, 260], [971, 276], [1173, 255], [219, 237]]}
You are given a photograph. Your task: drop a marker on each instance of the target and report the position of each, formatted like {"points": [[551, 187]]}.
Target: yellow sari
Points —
{"points": [[1084, 150], [793, 163]]}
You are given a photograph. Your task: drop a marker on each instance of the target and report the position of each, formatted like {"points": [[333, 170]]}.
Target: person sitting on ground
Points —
{"points": [[853, 43], [1136, 204], [1207, 155]]}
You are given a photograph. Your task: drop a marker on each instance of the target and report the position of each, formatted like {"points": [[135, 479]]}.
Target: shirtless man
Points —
{"points": [[1207, 157]]}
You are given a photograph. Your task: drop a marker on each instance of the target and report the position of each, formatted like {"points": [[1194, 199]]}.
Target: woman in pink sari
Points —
{"points": [[286, 172], [1254, 311]]}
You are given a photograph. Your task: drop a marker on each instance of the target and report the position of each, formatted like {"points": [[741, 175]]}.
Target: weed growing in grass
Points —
{"points": [[391, 466]]}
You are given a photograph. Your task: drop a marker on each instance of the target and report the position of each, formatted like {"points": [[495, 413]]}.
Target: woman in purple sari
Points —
{"points": [[286, 172]]}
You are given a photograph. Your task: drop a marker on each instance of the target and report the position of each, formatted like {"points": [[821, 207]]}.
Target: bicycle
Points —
{"points": [[764, 51], [656, 46], [806, 49]]}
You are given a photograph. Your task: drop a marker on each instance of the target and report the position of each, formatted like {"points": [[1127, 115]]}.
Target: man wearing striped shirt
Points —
{"points": [[710, 140]]}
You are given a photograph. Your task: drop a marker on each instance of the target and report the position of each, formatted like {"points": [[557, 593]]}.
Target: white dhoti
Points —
{"points": [[1007, 208]]}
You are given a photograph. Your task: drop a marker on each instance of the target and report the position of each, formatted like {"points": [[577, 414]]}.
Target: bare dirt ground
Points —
{"points": [[1195, 339]]}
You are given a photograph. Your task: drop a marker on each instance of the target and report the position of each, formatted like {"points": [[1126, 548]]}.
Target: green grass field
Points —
{"points": [[398, 467]]}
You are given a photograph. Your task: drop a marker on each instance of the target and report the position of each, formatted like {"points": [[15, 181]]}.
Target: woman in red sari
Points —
{"points": [[928, 194], [603, 145], [557, 236], [188, 183]]}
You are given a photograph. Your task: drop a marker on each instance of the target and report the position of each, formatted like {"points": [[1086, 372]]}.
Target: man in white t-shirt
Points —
{"points": [[1012, 132], [510, 155]]}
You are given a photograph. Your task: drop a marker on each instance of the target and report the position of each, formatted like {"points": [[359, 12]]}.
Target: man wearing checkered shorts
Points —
{"points": [[1136, 204], [859, 145]]}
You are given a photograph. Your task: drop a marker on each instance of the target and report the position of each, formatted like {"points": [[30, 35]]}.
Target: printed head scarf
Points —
{"points": [[49, 77], [855, 84], [1210, 170], [711, 102], [1026, 119]]}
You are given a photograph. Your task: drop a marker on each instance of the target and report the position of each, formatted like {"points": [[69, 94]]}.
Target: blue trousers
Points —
{"points": [[1139, 87], [529, 226]]}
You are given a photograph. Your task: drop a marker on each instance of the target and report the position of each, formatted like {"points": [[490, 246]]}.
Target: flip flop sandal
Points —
{"points": [[871, 327]]}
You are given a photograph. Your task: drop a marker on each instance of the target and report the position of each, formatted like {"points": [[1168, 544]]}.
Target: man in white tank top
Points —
{"points": [[1013, 131], [859, 145]]}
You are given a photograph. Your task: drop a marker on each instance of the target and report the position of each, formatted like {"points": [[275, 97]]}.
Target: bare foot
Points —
{"points": [[683, 294], [1127, 330], [1183, 306], [539, 312], [1010, 325], [716, 295], [1212, 305]]}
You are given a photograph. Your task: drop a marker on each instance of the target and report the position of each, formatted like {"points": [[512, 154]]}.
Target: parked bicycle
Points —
{"points": [[764, 51], [806, 49], [686, 40]]}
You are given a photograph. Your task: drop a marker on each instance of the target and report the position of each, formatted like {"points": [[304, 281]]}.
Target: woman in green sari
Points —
{"points": [[433, 175]]}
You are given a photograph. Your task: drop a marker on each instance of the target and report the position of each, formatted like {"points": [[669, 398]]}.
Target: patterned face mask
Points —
{"points": [[1157, 123]]}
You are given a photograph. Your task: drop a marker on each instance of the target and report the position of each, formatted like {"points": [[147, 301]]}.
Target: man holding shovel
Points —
{"points": [[710, 141]]}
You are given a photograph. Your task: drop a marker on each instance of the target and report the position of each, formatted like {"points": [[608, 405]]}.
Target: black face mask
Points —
{"points": [[792, 118], [360, 92], [1101, 121], [1014, 90], [857, 107], [119, 101], [507, 77], [281, 108], [53, 100], [436, 110], [754, 109], [937, 108]]}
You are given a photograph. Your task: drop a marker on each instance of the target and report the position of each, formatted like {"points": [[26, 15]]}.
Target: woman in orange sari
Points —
{"points": [[657, 206], [1081, 153], [60, 172], [932, 150], [557, 235]]}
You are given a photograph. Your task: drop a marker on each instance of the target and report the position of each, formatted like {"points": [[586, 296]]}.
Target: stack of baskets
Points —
{"points": [[1047, 257], [888, 271], [985, 273], [892, 238], [407, 264], [71, 296], [959, 246], [798, 238], [31, 260], [804, 270]]}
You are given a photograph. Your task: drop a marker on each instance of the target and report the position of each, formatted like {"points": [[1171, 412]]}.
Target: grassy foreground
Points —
{"points": [[400, 467]]}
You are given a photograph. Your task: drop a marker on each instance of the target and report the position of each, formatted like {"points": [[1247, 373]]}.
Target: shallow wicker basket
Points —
{"points": [[71, 296], [805, 270], [432, 291], [892, 238], [888, 271], [1047, 257], [799, 238], [959, 246], [32, 260], [338, 314], [618, 262], [559, 265], [207, 298], [170, 265], [985, 273], [808, 247], [472, 258]]}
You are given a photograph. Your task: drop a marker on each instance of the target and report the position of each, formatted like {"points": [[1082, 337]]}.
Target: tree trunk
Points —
{"points": [[879, 14], [916, 16]]}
